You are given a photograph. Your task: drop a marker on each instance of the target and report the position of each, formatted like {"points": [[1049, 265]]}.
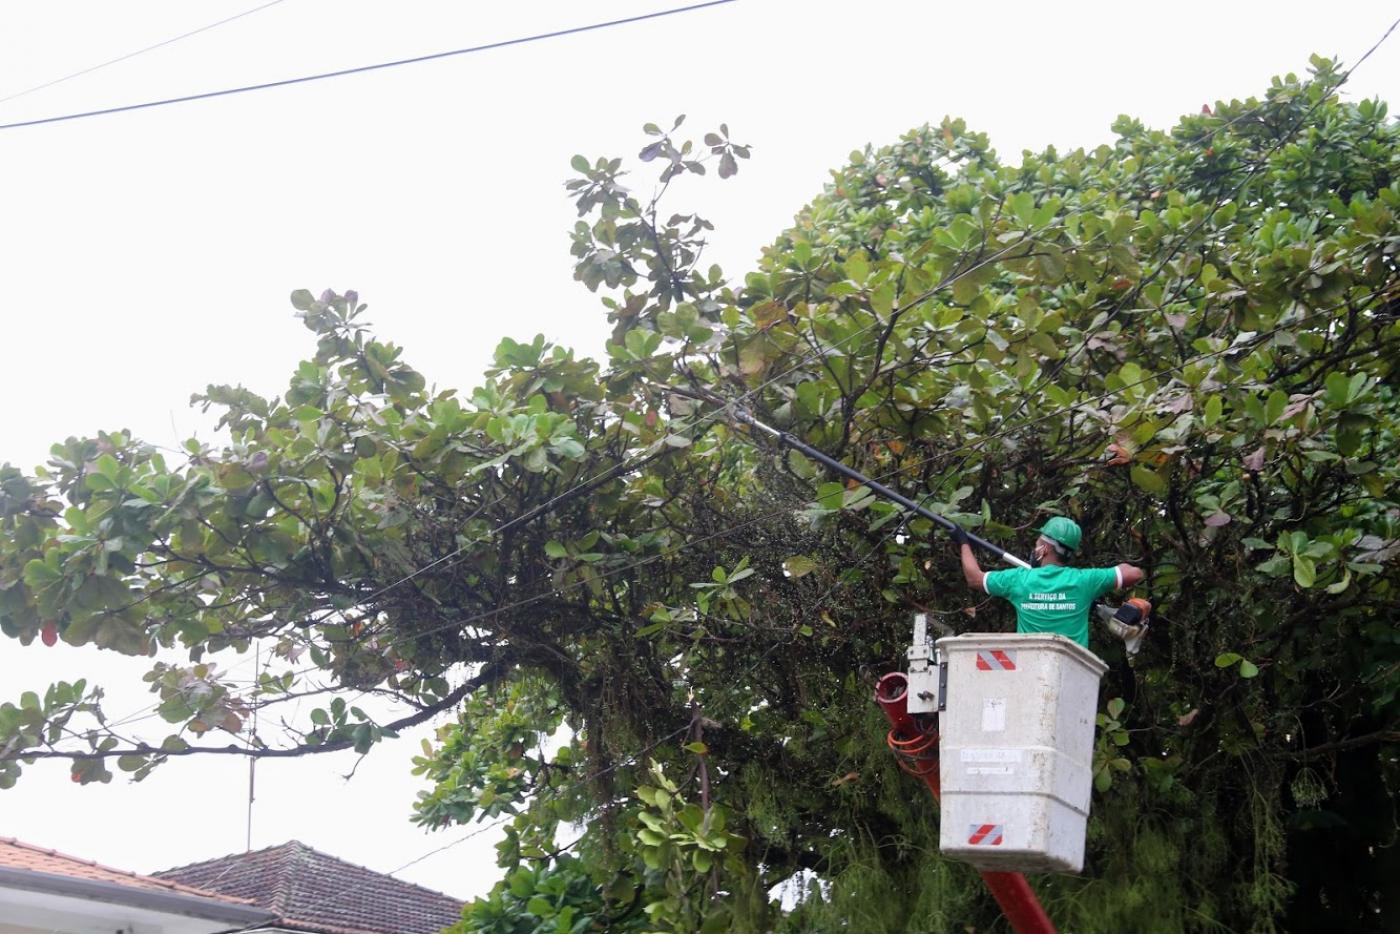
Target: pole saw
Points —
{"points": [[1128, 622], [876, 487]]}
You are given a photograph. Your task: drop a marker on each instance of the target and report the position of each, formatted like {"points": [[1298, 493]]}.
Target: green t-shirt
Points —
{"points": [[1053, 598]]}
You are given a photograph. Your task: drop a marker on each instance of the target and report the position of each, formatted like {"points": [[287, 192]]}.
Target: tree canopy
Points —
{"points": [[660, 634]]}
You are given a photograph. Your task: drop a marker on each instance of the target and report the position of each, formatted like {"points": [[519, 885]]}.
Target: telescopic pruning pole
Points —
{"points": [[830, 463]]}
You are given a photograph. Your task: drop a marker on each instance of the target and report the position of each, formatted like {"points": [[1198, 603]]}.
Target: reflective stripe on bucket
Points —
{"points": [[995, 660], [984, 834]]}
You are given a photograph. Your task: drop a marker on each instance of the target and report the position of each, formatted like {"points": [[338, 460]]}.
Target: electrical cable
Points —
{"points": [[131, 55], [361, 69]]}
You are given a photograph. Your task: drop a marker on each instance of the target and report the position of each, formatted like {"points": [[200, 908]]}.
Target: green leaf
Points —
{"points": [[698, 748], [555, 550], [1356, 386], [1226, 659], [1248, 669], [1148, 480], [1051, 261], [857, 268], [569, 447], [1338, 389], [1115, 707], [1340, 585], [38, 574], [579, 164], [1213, 409], [1304, 571], [799, 566], [108, 466], [882, 300]]}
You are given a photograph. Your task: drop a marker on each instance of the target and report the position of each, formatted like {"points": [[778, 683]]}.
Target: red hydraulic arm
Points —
{"points": [[916, 750]]}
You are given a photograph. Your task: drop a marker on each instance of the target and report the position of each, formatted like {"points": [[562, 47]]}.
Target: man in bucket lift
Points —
{"points": [[1050, 596]]}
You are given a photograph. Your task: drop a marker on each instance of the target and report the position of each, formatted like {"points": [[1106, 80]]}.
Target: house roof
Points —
{"points": [[45, 889], [16, 854], [314, 892]]}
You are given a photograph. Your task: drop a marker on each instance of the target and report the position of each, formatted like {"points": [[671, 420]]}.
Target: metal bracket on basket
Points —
{"points": [[942, 681], [927, 677]]}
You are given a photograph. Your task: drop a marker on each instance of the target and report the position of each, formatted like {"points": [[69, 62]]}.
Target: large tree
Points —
{"points": [[1187, 340]]}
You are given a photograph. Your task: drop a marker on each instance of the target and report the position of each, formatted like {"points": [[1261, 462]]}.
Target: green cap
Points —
{"points": [[1062, 530]]}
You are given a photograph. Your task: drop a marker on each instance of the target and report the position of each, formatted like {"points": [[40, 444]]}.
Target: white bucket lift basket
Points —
{"points": [[1016, 747]]}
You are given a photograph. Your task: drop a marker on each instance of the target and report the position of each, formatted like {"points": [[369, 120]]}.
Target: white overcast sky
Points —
{"points": [[144, 255]]}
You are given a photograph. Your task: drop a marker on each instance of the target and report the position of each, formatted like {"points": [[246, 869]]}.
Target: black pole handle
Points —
{"points": [[874, 486]]}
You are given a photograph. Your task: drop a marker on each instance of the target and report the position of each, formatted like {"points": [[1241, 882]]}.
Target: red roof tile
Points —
{"points": [[311, 891], [16, 854]]}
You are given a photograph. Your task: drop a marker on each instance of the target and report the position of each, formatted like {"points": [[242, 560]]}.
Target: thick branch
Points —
{"points": [[1354, 742]]}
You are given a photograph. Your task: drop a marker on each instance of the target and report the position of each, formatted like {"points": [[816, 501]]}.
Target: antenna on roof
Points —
{"points": [[252, 760]]}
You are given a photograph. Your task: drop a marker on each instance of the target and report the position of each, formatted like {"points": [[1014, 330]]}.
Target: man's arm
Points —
{"points": [[972, 571], [1129, 576]]}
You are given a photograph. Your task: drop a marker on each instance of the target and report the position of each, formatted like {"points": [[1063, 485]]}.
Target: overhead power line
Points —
{"points": [[361, 69], [131, 55]]}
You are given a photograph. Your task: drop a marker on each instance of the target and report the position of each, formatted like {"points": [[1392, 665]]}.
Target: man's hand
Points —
{"points": [[959, 536]]}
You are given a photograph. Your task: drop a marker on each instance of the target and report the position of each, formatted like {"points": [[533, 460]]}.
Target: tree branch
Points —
{"points": [[1354, 742], [489, 673]]}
